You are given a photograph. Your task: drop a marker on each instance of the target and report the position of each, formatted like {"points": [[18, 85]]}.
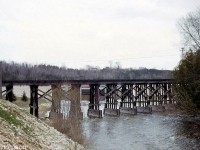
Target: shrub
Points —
{"points": [[24, 97]]}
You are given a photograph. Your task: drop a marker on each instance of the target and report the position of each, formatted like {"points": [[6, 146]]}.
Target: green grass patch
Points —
{"points": [[10, 118]]}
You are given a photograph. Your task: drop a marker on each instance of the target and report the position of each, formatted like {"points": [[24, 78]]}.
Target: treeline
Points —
{"points": [[15, 71]]}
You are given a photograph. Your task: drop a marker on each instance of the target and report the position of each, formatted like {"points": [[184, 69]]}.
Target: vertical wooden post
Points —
{"points": [[115, 97], [165, 93], [107, 104], [122, 104], [157, 97], [93, 110], [170, 93], [34, 100], [91, 104], [9, 93], [150, 99], [94, 96], [97, 97]]}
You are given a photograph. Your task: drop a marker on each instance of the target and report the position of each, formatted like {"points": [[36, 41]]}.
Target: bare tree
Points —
{"points": [[190, 29]]}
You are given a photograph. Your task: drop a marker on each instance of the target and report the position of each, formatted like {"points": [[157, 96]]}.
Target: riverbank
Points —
{"points": [[20, 130]]}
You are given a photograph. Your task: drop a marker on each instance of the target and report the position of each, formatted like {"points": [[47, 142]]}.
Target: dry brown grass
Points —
{"points": [[71, 126]]}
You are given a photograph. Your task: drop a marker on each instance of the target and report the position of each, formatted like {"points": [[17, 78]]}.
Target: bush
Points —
{"points": [[24, 97], [14, 97]]}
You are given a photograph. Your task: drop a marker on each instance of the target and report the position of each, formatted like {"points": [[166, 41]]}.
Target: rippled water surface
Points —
{"points": [[157, 131]]}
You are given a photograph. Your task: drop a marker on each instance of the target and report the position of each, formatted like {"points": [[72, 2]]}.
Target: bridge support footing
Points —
{"points": [[132, 111], [111, 112], [94, 113], [145, 110]]}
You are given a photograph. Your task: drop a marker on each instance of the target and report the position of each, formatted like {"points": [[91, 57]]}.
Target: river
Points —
{"points": [[157, 131]]}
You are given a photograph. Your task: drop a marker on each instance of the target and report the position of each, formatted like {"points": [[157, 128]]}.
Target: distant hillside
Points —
{"points": [[24, 71], [20, 130]]}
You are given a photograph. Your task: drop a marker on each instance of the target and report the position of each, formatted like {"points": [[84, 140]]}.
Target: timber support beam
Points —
{"points": [[94, 110], [34, 100], [9, 93]]}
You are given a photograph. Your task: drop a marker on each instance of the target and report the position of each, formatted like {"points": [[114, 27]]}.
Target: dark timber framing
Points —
{"points": [[9, 93], [132, 94], [34, 100]]}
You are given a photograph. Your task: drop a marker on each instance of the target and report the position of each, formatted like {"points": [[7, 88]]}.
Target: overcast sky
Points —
{"points": [[76, 33]]}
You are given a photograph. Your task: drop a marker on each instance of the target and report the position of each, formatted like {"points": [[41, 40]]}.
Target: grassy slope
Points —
{"points": [[20, 130]]}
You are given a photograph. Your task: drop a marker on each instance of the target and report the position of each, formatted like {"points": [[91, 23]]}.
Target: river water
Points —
{"points": [[157, 131]]}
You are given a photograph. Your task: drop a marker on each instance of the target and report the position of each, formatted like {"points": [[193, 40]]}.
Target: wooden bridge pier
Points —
{"points": [[127, 104], [94, 110], [9, 93], [34, 100], [142, 99], [111, 105]]}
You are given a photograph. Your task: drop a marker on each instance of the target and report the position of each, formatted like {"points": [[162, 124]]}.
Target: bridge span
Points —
{"points": [[120, 96]]}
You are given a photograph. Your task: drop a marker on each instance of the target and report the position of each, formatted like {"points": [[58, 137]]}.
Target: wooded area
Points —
{"points": [[15, 71]]}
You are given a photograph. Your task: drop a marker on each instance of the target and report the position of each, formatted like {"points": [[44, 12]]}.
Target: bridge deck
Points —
{"points": [[100, 81]]}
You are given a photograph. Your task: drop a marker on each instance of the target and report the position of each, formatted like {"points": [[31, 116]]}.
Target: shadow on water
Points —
{"points": [[157, 131]]}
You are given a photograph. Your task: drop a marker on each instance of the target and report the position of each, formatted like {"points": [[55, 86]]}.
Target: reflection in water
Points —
{"points": [[157, 131]]}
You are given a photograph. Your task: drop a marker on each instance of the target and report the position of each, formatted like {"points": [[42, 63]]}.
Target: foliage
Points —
{"points": [[24, 97], [187, 82]]}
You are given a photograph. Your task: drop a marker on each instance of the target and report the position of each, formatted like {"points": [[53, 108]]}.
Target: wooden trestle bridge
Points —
{"points": [[125, 96]]}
